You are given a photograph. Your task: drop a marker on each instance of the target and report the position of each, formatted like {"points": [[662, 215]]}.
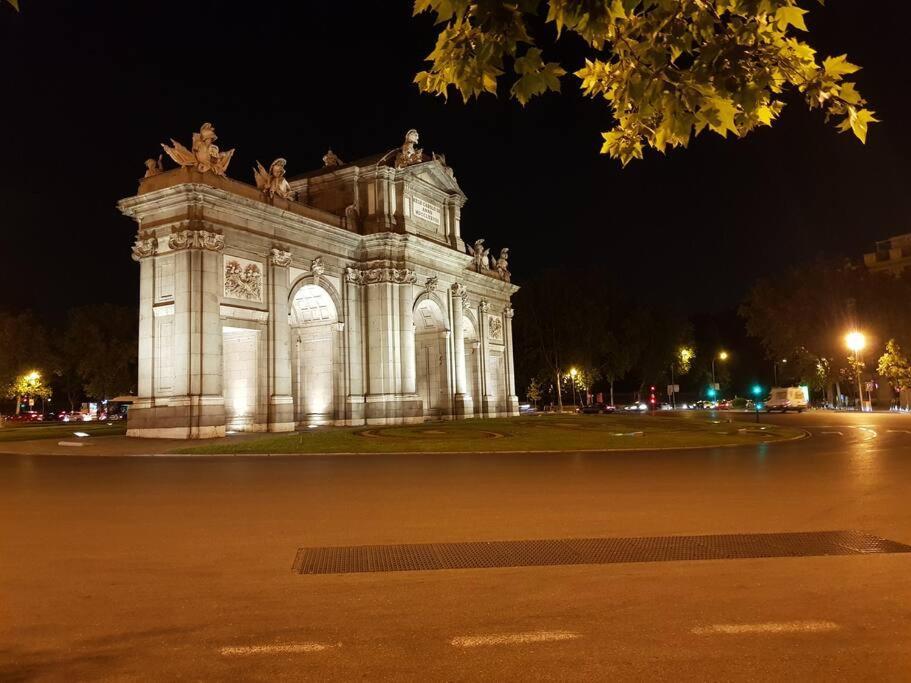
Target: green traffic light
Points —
{"points": [[757, 390], [711, 393]]}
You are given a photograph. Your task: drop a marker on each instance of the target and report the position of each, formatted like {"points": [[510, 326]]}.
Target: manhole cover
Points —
{"points": [[490, 554]]}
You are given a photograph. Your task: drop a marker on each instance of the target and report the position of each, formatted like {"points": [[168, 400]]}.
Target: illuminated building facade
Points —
{"points": [[342, 297]]}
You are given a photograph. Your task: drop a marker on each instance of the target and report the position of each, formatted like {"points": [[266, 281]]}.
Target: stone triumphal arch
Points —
{"points": [[342, 296]]}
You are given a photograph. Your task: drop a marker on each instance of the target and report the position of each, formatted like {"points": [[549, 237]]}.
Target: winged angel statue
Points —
{"points": [[481, 256], [204, 155], [272, 182]]}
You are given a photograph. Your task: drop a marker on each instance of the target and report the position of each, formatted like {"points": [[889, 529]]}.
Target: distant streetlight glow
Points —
{"points": [[855, 341], [723, 355]]}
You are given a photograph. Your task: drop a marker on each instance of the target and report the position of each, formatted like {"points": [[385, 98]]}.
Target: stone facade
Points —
{"points": [[354, 304]]}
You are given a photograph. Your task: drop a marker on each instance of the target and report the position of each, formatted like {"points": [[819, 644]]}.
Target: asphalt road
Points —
{"points": [[161, 568]]}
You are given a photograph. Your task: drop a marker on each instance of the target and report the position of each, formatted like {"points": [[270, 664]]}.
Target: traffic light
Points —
{"points": [[711, 392], [757, 390]]}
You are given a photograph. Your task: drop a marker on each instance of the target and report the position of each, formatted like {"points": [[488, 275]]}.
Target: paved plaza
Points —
{"points": [[140, 568]]}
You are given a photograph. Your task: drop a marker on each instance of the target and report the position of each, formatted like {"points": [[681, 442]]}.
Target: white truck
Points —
{"points": [[787, 398]]}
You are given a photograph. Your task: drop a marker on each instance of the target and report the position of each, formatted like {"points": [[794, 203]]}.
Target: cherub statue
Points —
{"points": [[410, 154], [481, 256], [272, 182], [153, 167], [503, 265], [331, 159], [204, 155]]}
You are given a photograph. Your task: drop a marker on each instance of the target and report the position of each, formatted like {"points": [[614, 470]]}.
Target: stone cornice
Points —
{"points": [[193, 195]]}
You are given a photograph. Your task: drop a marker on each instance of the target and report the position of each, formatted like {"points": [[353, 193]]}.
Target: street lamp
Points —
{"points": [[721, 356], [783, 361], [856, 341]]}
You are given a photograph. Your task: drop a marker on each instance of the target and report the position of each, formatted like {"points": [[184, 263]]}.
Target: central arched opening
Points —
{"points": [[314, 321], [431, 358]]}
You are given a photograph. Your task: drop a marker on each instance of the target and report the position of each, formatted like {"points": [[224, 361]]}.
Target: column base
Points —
{"points": [[281, 414], [386, 409], [183, 417], [462, 406]]}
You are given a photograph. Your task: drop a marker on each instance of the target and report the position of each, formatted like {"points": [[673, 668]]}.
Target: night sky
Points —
{"points": [[90, 89]]}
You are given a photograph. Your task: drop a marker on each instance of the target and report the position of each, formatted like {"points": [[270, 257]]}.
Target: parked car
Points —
{"points": [[597, 409], [785, 399], [27, 416]]}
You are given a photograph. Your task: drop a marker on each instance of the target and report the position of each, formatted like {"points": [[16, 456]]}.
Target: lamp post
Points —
{"points": [[783, 361], [721, 356], [856, 341], [572, 375]]}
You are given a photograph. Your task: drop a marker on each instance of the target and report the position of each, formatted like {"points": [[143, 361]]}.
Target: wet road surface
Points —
{"points": [[157, 568]]}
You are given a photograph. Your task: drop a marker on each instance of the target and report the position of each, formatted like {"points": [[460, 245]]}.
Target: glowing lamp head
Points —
{"points": [[723, 355], [856, 341], [573, 372]]}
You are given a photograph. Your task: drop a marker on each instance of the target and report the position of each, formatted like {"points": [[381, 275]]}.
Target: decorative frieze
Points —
{"points": [[243, 279], [281, 258], [196, 239], [494, 328], [145, 248]]}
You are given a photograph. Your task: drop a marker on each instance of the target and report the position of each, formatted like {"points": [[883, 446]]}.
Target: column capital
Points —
{"points": [[196, 239], [483, 306], [509, 311], [280, 257], [143, 248]]}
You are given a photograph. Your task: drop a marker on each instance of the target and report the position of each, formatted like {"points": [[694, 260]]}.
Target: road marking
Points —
{"points": [[770, 627], [839, 433], [513, 638], [284, 648], [898, 431]]}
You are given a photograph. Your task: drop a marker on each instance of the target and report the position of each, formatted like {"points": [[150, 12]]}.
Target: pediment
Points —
{"points": [[435, 174]]}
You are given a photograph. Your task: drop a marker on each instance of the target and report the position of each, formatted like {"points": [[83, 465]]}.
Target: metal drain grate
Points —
{"points": [[489, 554]]}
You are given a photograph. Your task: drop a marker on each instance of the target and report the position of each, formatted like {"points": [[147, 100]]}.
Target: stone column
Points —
{"points": [[354, 412], [144, 253], [512, 401], [406, 323], [462, 403], [385, 401], [197, 406], [488, 402], [281, 403]]}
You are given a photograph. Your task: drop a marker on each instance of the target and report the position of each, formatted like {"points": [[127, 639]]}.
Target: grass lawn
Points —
{"points": [[529, 433], [61, 430]]}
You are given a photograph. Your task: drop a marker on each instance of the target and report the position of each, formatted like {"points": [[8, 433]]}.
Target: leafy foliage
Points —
{"points": [[100, 343], [667, 69], [804, 314], [895, 366], [29, 384]]}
